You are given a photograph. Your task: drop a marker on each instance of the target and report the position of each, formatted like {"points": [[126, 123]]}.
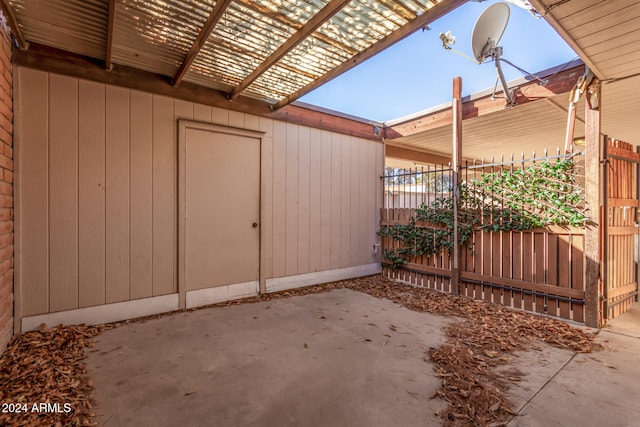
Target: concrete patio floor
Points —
{"points": [[339, 358]]}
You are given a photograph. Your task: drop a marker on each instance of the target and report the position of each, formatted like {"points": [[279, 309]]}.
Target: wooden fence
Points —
{"points": [[540, 270], [620, 243]]}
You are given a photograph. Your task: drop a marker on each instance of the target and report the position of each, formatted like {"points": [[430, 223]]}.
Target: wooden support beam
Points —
{"points": [[593, 202], [111, 20], [8, 13], [305, 31], [456, 156], [604, 227], [68, 64], [526, 92], [205, 32], [421, 21]]}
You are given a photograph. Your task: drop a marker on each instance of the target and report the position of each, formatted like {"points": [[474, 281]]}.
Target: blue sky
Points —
{"points": [[417, 73]]}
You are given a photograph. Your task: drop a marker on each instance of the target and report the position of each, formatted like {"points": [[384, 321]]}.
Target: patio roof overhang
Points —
{"points": [[273, 51]]}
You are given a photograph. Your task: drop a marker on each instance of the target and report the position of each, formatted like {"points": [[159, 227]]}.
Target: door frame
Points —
{"points": [[183, 126]]}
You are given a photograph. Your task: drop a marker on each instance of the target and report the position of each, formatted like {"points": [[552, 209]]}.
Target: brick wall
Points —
{"points": [[6, 191]]}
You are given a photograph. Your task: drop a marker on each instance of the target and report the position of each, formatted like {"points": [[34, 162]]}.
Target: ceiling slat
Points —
{"points": [[555, 23], [216, 14], [307, 29]]}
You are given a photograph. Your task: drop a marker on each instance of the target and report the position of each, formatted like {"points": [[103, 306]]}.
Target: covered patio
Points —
{"points": [[155, 160]]}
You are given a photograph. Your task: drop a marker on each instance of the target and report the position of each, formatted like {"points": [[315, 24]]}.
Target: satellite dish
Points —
{"points": [[485, 37], [488, 30]]}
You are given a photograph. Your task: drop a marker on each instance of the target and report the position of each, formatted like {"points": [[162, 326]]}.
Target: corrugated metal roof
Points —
{"points": [[157, 35], [78, 26]]}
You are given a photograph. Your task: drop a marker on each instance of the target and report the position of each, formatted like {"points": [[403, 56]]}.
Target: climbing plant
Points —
{"points": [[542, 194]]}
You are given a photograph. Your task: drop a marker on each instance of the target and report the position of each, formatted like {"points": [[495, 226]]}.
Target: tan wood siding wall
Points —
{"points": [[98, 193], [6, 191]]}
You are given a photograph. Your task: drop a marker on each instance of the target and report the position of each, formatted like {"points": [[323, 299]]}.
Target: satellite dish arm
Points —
{"points": [[497, 56]]}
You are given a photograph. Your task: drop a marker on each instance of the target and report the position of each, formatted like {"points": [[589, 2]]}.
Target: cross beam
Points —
{"points": [[298, 37], [205, 32]]}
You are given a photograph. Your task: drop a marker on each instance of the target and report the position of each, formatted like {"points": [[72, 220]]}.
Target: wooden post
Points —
{"points": [[593, 191], [637, 219], [456, 160], [603, 304]]}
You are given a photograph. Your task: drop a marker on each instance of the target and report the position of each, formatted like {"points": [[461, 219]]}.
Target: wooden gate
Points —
{"points": [[620, 229]]}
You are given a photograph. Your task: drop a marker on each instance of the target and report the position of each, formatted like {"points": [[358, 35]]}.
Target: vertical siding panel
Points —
{"points": [[291, 200], [141, 182], [117, 197], [325, 199], [33, 177], [251, 122], [182, 110], [202, 113], [357, 228], [63, 190], [91, 194], [315, 186], [303, 200], [336, 198], [345, 202], [164, 197], [279, 211], [219, 116], [266, 198], [236, 119]]}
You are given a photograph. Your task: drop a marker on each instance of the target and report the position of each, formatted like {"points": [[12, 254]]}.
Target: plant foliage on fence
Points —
{"points": [[539, 195]]}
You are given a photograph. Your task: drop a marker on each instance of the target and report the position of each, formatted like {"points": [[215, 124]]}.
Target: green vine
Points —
{"points": [[539, 195]]}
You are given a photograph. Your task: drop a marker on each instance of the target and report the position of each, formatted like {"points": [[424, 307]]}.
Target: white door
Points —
{"points": [[220, 169]]}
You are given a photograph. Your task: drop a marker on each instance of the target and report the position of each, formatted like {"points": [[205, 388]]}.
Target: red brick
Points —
{"points": [[6, 240], [7, 176], [6, 124], [5, 110], [6, 226], [5, 136], [6, 252], [6, 202], [6, 300], [4, 339], [6, 214], [7, 278], [6, 318], [5, 91], [6, 162], [6, 43], [6, 188], [6, 289]]}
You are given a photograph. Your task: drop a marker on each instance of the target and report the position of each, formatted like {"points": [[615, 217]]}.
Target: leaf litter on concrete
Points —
{"points": [[43, 378], [47, 365]]}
